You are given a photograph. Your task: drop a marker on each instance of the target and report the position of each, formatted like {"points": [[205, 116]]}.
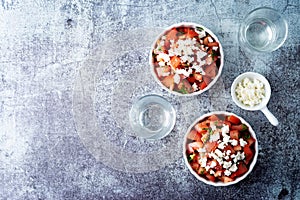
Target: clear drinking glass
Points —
{"points": [[263, 30], [152, 117]]}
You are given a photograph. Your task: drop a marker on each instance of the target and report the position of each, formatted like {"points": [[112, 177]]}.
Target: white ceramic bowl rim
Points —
{"points": [[189, 24], [251, 75], [220, 183]]}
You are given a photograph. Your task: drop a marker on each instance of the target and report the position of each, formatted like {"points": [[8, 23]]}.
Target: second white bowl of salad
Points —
{"points": [[220, 148]]}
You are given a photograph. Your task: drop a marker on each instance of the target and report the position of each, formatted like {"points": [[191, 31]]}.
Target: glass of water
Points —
{"points": [[152, 117], [263, 30]]}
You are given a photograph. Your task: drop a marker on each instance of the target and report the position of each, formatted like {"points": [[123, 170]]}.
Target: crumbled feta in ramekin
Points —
{"points": [[250, 92]]}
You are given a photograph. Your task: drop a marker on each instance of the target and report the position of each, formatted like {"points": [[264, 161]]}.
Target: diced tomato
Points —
{"points": [[210, 146], [218, 167], [240, 127], [198, 144], [211, 70], [210, 177], [237, 148], [206, 79], [213, 44], [227, 179], [191, 79], [195, 166], [213, 118], [198, 77], [233, 119], [185, 85], [234, 134], [166, 69], [248, 153], [172, 35], [184, 29], [250, 141], [168, 81], [227, 123], [167, 44], [242, 169], [203, 85], [205, 41], [175, 62], [201, 127], [205, 122], [191, 147], [194, 135], [191, 33]]}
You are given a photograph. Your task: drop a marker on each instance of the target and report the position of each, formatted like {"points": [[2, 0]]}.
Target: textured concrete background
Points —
{"points": [[45, 43]]}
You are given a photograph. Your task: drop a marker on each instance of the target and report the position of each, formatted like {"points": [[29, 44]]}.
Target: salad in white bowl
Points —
{"points": [[220, 148], [186, 59]]}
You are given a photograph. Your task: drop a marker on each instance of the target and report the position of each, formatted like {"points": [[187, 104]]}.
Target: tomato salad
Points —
{"points": [[186, 59], [220, 148]]}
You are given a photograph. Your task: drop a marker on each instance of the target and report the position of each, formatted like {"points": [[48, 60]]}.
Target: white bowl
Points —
{"points": [[238, 179], [190, 25], [261, 106]]}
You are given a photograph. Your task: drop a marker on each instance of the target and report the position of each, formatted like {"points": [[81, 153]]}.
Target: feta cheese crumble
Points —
{"points": [[226, 164], [176, 78], [203, 161], [242, 142], [162, 57], [184, 72], [195, 87], [213, 155], [233, 142], [219, 153], [233, 168], [228, 152], [225, 129], [239, 156], [213, 164], [214, 137], [221, 145], [250, 92], [227, 172], [210, 39]]}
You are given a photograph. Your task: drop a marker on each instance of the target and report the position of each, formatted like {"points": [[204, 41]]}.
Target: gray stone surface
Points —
{"points": [[66, 85]]}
